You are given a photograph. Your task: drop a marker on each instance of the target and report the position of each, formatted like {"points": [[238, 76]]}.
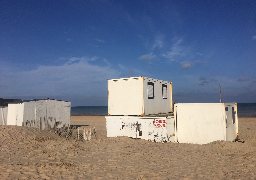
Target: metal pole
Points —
{"points": [[220, 94]]}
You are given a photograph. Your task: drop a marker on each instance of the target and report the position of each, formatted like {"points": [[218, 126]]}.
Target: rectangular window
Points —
{"points": [[150, 90], [233, 115], [164, 91]]}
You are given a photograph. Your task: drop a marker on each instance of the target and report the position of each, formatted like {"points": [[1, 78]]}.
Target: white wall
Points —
{"points": [[200, 123], [125, 96], [15, 114], [141, 127], [3, 115], [43, 114], [232, 121]]}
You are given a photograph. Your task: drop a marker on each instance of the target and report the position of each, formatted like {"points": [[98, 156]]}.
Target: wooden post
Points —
{"points": [[84, 133], [78, 133], [90, 134]]}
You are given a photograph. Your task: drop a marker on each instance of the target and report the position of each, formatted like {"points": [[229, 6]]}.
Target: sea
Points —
{"points": [[243, 109]]}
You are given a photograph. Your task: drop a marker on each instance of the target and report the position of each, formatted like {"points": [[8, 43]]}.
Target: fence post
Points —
{"points": [[78, 133], [84, 133]]}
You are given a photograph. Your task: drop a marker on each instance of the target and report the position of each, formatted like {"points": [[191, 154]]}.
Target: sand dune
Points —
{"points": [[28, 153]]}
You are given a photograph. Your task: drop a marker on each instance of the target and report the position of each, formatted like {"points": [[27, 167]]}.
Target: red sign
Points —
{"points": [[160, 123]]}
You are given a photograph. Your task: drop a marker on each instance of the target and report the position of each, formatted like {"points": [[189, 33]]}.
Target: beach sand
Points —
{"points": [[29, 153]]}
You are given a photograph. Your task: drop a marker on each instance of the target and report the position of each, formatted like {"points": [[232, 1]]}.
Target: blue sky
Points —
{"points": [[68, 49]]}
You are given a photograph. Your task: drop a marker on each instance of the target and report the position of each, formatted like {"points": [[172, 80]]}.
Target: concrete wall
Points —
{"points": [[130, 96]]}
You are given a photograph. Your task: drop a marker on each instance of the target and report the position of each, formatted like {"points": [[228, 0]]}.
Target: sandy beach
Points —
{"points": [[29, 153]]}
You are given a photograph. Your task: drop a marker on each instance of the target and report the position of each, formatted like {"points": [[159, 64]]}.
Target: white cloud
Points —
{"points": [[186, 65], [175, 51], [254, 38], [159, 42], [84, 59], [189, 64], [94, 58], [147, 57], [76, 78], [100, 40]]}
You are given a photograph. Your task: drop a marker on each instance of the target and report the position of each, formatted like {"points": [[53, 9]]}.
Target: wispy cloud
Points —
{"points": [[205, 81], [100, 40], [186, 65], [243, 79], [147, 57], [84, 59], [253, 37], [106, 61], [159, 42], [175, 51]]}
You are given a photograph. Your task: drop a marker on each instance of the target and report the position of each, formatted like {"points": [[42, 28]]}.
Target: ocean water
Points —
{"points": [[243, 109], [89, 111], [246, 109]]}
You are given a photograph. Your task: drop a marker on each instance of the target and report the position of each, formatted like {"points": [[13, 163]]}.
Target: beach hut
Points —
{"points": [[46, 113], [38, 113], [4, 110], [139, 96]]}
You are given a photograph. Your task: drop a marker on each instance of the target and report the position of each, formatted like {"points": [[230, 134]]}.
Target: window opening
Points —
{"points": [[150, 90], [164, 91], [233, 115]]}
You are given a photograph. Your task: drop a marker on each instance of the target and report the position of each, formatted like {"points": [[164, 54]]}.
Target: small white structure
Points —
{"points": [[42, 113], [139, 96], [15, 113], [46, 113], [201, 123]]}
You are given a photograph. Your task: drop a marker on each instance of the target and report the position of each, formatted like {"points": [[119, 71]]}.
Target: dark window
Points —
{"points": [[233, 115], [150, 90], [164, 91]]}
